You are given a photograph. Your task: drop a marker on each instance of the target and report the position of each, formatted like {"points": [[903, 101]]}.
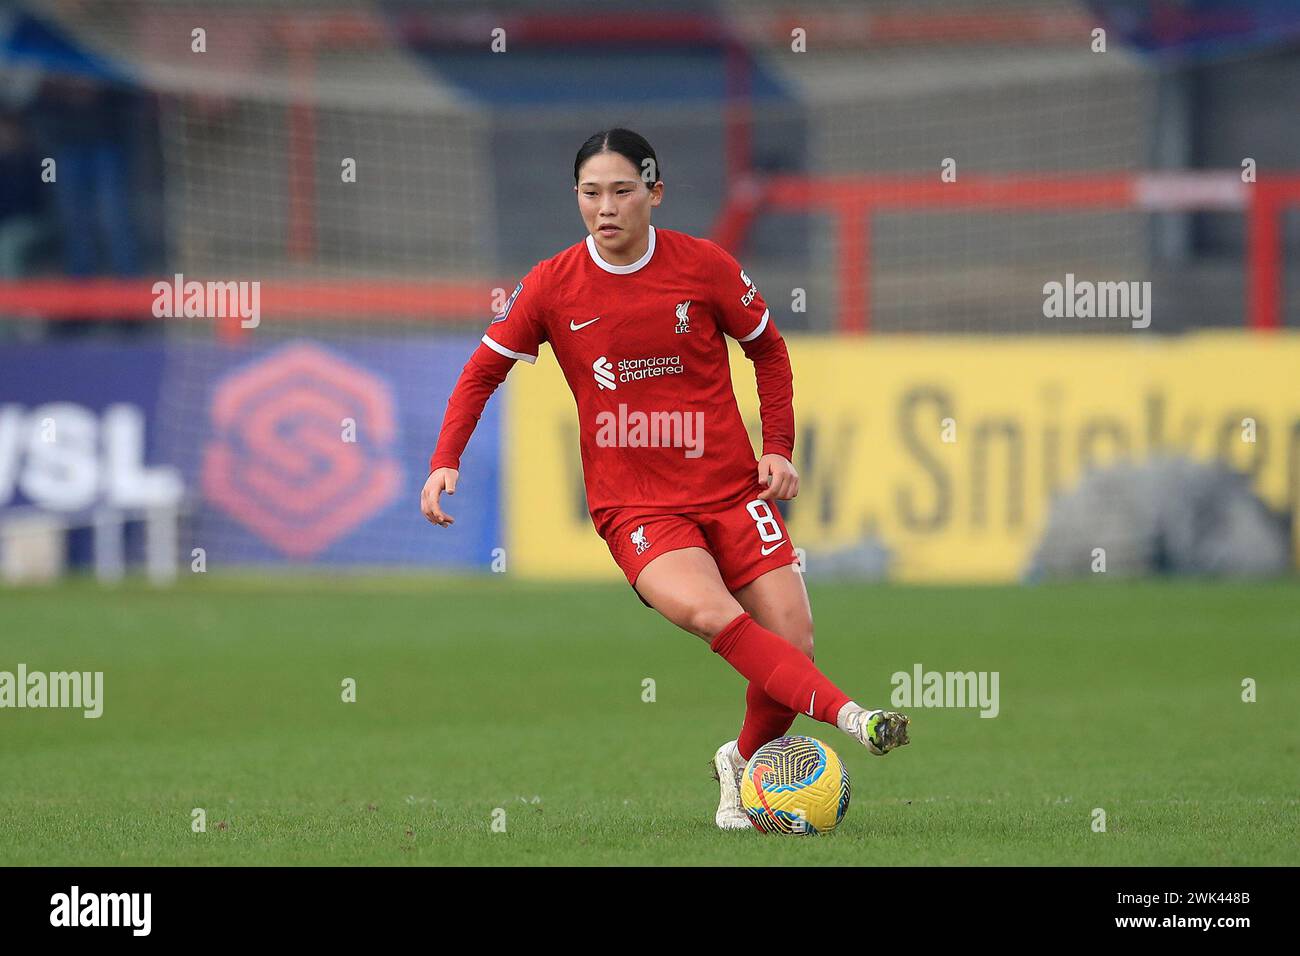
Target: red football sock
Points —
{"points": [[765, 720], [779, 668]]}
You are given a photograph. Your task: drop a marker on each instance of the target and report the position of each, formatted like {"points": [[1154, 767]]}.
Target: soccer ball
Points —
{"points": [[795, 785]]}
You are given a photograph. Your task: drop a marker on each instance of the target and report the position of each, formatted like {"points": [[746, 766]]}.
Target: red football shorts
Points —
{"points": [[746, 537]]}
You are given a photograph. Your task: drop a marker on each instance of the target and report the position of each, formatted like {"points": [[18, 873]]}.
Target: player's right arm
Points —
{"points": [[514, 334], [440, 480]]}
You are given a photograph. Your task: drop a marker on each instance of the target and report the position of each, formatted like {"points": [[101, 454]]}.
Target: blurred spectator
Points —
{"points": [[26, 229], [85, 126]]}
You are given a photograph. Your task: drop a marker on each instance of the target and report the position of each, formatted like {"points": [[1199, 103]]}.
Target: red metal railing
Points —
{"points": [[851, 201]]}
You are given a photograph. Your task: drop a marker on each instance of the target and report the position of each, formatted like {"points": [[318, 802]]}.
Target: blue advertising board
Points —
{"points": [[302, 452]]}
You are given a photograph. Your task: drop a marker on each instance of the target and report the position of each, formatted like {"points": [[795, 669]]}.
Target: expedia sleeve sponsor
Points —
{"points": [[739, 307]]}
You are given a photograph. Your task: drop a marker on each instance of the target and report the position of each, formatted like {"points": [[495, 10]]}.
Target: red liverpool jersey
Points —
{"points": [[642, 349]]}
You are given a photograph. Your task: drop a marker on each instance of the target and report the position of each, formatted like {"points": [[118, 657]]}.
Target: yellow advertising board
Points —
{"points": [[948, 449]]}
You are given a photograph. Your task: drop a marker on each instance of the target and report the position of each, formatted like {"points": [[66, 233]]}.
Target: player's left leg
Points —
{"points": [[755, 558]]}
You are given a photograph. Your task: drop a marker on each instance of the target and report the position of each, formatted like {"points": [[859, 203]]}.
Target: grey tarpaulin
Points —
{"points": [[1164, 515]]}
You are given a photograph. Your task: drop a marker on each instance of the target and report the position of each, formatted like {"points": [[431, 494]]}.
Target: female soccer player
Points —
{"points": [[636, 317]]}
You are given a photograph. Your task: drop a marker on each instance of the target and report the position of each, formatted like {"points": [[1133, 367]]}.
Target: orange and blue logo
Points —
{"points": [[302, 448]]}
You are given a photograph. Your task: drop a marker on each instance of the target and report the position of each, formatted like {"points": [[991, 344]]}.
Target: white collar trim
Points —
{"points": [[630, 267]]}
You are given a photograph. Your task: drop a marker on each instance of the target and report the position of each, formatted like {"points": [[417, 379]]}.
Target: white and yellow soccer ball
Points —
{"points": [[795, 785]]}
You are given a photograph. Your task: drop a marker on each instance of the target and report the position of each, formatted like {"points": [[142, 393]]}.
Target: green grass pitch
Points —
{"points": [[477, 694]]}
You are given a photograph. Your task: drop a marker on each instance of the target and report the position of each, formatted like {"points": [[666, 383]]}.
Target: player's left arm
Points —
{"points": [[744, 316]]}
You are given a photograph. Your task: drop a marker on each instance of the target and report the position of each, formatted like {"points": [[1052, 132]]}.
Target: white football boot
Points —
{"points": [[880, 731], [727, 769]]}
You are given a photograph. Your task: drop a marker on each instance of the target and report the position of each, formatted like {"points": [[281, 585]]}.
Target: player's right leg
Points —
{"points": [[778, 601], [686, 588], [637, 541]]}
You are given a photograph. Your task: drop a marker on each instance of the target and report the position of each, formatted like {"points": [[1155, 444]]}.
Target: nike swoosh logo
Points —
{"points": [[809, 711], [583, 325], [760, 771], [767, 551]]}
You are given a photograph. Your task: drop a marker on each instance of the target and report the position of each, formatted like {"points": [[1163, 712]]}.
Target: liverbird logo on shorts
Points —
{"points": [[638, 539], [683, 320]]}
